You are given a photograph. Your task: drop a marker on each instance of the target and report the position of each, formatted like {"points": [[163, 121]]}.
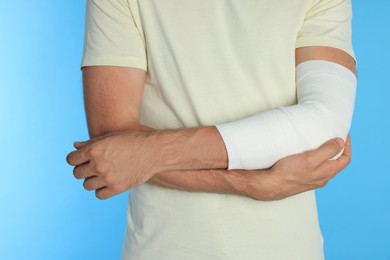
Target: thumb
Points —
{"points": [[79, 145], [332, 149]]}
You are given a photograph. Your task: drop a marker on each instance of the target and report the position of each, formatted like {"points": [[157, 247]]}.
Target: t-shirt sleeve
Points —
{"points": [[328, 23], [111, 36]]}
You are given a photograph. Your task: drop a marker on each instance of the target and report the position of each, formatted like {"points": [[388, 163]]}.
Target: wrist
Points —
{"points": [[263, 185]]}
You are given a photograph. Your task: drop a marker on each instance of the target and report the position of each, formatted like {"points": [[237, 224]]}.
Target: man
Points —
{"points": [[193, 105]]}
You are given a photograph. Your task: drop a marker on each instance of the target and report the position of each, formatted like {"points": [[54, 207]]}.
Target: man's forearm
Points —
{"points": [[290, 176], [110, 165], [238, 182], [245, 183], [191, 149], [188, 148], [270, 184]]}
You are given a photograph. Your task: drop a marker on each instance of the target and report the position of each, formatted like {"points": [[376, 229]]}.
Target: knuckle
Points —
{"points": [[335, 146], [105, 177], [94, 151], [100, 167], [117, 188]]}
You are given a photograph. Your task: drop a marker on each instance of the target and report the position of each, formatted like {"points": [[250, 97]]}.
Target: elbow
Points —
{"points": [[339, 126], [98, 131], [93, 133], [328, 123]]}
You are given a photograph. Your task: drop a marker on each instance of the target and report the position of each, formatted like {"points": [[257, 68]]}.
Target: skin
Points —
{"points": [[123, 154]]}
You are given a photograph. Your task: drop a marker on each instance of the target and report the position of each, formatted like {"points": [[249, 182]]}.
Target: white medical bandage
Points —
{"points": [[326, 96]]}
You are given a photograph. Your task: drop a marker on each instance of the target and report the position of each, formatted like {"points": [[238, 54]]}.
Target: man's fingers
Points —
{"points": [[77, 157], [82, 171], [79, 145], [93, 183], [344, 159], [328, 150], [104, 193], [335, 166]]}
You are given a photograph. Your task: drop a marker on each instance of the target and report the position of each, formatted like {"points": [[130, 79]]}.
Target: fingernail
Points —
{"points": [[340, 142]]}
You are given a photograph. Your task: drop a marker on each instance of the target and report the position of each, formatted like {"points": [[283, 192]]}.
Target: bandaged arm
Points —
{"points": [[326, 96]]}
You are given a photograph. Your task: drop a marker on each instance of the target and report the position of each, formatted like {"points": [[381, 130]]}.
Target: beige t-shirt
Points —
{"points": [[209, 62]]}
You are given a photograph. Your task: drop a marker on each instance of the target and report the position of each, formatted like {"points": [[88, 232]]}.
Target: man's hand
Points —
{"points": [[302, 172], [115, 162]]}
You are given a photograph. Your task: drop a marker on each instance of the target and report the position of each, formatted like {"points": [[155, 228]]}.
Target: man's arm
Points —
{"points": [[107, 93], [178, 180], [290, 176], [112, 97], [203, 148]]}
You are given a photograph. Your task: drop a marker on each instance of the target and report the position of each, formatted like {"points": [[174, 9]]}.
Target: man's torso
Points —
{"points": [[210, 62]]}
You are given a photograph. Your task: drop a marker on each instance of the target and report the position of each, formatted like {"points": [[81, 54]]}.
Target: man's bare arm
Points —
{"points": [[290, 176], [112, 97], [115, 112]]}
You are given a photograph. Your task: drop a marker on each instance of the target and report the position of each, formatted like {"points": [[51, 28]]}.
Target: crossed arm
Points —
{"points": [[186, 159]]}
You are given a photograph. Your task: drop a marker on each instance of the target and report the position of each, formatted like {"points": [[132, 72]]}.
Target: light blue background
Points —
{"points": [[46, 214]]}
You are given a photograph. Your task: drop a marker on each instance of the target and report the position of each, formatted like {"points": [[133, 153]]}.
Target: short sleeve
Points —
{"points": [[111, 36], [328, 23]]}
